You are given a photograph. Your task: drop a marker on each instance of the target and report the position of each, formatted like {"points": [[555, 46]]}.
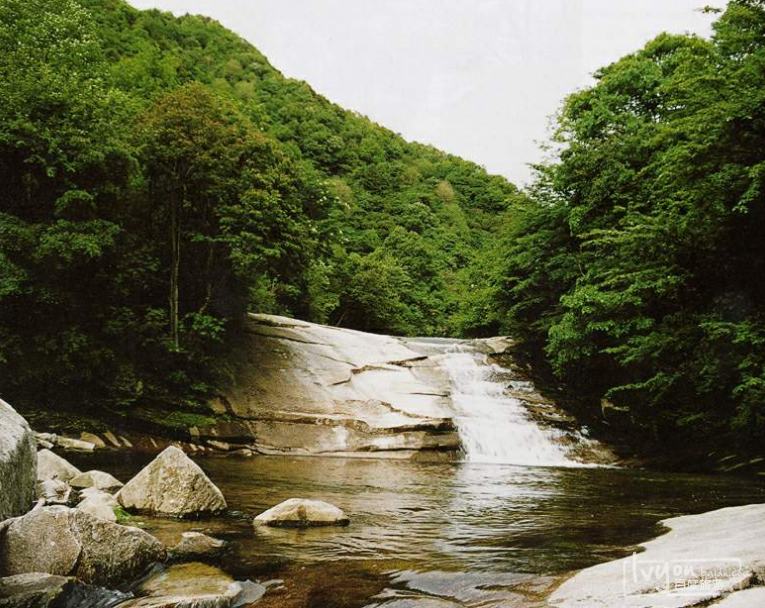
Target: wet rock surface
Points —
{"points": [[193, 585], [195, 546]]}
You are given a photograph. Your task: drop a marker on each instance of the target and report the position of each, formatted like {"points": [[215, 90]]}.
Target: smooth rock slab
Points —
{"points": [[68, 542], [302, 513], [52, 466], [172, 484], [96, 479], [731, 533], [748, 598], [18, 463]]}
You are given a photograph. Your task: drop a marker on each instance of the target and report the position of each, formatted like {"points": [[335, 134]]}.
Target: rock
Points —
{"points": [[172, 484], [93, 438], [34, 590], [52, 466], [748, 598], [75, 445], [249, 594], [192, 585], [195, 546], [68, 542], [100, 505], [326, 390], [301, 512], [18, 463], [54, 492], [126, 441], [41, 590], [734, 533], [241, 453], [96, 479], [111, 438], [219, 445]]}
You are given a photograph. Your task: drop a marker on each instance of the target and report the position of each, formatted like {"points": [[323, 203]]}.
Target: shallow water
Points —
{"points": [[474, 534]]}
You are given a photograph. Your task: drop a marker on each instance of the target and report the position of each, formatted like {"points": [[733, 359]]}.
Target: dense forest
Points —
{"points": [[161, 178], [636, 264]]}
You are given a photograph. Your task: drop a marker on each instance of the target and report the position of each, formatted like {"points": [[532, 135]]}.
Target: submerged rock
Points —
{"points": [[18, 462], [192, 585], [172, 484], [195, 546], [76, 544], [52, 466], [301, 513], [703, 542], [96, 479]]}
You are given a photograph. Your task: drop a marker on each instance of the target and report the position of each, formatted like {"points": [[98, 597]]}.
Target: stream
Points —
{"points": [[434, 535]]}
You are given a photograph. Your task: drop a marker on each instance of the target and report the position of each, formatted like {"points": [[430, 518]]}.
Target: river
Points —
{"points": [[473, 534]]}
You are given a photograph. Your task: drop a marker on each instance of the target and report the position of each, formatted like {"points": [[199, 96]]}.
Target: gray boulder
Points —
{"points": [[52, 466], [195, 546], [172, 484], [302, 513], [99, 504], [77, 544], [18, 463], [96, 479]]}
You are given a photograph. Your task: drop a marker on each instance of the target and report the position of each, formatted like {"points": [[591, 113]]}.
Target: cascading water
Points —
{"points": [[494, 427]]}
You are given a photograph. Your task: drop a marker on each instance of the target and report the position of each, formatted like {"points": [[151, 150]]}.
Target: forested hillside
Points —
{"points": [[161, 179], [637, 263]]}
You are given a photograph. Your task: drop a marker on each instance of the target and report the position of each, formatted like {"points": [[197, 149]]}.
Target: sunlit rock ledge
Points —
{"points": [[303, 388], [311, 389]]}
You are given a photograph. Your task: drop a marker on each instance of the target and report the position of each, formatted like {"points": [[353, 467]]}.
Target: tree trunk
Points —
{"points": [[175, 241]]}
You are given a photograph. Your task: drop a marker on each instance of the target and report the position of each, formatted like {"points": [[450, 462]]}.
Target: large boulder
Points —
{"points": [[96, 479], [52, 466], [172, 484], [18, 463], [76, 544], [302, 513]]}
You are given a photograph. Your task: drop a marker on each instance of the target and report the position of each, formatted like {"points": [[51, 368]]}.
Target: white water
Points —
{"points": [[493, 426]]}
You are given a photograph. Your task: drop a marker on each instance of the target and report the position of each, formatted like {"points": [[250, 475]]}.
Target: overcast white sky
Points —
{"points": [[478, 78]]}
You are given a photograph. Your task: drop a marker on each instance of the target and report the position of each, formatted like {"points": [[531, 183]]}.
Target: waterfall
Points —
{"points": [[493, 426]]}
